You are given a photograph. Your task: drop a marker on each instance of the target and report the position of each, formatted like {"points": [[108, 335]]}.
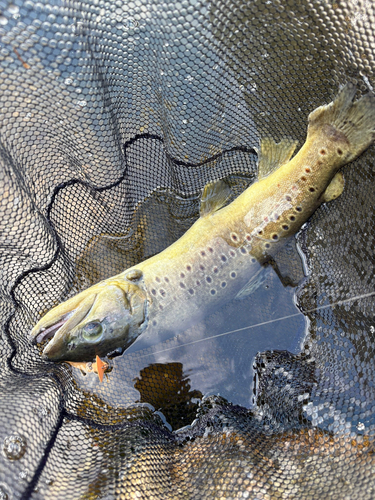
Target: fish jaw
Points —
{"points": [[97, 321], [62, 317]]}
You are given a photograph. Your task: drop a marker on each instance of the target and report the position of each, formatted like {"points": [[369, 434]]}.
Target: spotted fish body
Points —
{"points": [[220, 253]]}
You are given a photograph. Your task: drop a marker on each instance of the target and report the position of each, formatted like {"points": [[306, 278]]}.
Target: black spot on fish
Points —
{"points": [[213, 292], [233, 274], [288, 198], [201, 267], [182, 285], [260, 231], [208, 279], [243, 250], [339, 151], [285, 227], [248, 237], [223, 284], [303, 178], [161, 307], [182, 275], [299, 209], [191, 291], [211, 250], [153, 291], [203, 253], [267, 245], [307, 170], [253, 260], [322, 152], [215, 270], [188, 268], [198, 283], [232, 253], [166, 279], [292, 218], [162, 292], [234, 237], [311, 189], [157, 279], [223, 258], [275, 237]]}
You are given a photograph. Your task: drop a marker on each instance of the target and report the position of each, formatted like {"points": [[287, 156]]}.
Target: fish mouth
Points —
{"points": [[56, 324], [49, 332]]}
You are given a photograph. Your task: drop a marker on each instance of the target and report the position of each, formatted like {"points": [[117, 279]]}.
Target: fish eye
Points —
{"points": [[92, 330]]}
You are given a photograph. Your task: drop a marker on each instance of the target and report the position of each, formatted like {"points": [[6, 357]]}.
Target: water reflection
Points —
{"points": [[167, 389]]}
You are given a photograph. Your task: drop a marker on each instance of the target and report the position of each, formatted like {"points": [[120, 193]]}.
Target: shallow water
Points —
{"points": [[216, 354]]}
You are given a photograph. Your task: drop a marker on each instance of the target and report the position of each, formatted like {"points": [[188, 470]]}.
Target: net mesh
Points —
{"points": [[114, 115]]}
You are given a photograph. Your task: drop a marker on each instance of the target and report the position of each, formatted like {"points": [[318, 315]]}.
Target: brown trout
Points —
{"points": [[212, 262]]}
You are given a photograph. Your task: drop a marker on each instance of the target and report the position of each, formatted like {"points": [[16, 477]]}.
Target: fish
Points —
{"points": [[223, 250]]}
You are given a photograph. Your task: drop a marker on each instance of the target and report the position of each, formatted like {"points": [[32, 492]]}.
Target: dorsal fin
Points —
{"points": [[273, 155], [214, 196]]}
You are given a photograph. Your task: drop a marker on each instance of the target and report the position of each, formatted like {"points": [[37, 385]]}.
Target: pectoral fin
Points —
{"points": [[335, 188], [215, 194], [254, 283], [273, 155]]}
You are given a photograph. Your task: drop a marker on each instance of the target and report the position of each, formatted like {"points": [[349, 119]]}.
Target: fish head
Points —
{"points": [[97, 321]]}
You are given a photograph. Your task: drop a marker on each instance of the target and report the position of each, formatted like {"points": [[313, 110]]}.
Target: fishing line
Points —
{"points": [[275, 320]]}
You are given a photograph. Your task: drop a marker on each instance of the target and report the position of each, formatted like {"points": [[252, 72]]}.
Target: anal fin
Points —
{"points": [[272, 155], [335, 188]]}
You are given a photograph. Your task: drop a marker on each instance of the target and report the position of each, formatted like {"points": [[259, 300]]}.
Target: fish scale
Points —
{"points": [[213, 272]]}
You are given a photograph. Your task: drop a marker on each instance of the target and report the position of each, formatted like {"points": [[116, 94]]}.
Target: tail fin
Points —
{"points": [[351, 123]]}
